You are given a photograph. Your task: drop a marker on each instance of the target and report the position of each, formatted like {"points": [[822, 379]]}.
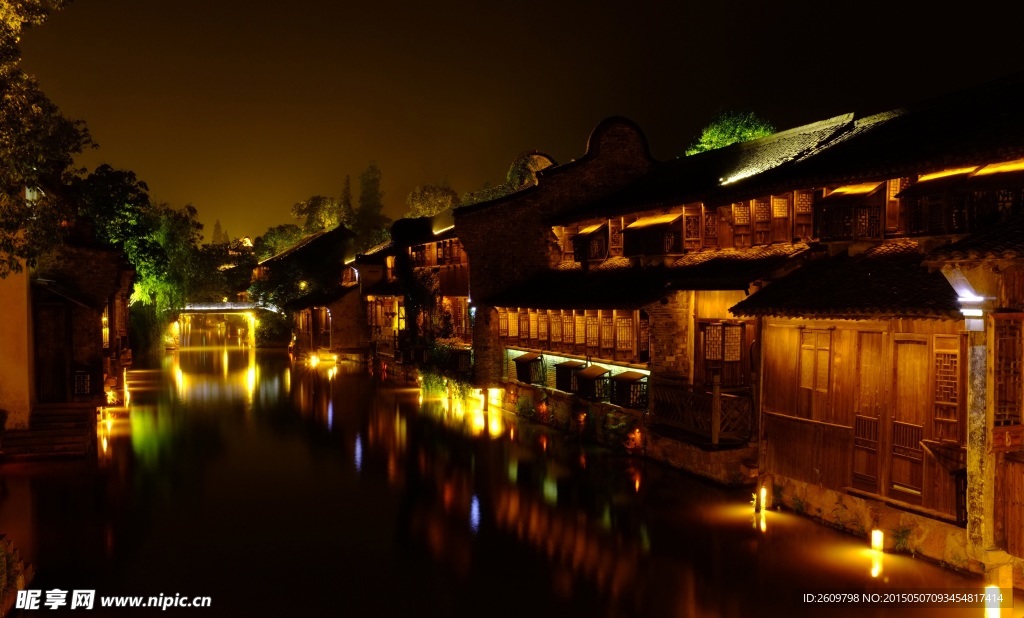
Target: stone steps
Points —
{"points": [[54, 431]]}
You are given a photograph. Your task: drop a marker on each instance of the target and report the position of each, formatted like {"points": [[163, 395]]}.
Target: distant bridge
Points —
{"points": [[225, 308]]}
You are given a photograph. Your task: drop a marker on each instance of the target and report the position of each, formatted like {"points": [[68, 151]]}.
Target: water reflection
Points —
{"points": [[279, 487]]}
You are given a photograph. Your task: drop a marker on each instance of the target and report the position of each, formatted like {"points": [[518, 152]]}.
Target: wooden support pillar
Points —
{"points": [[716, 407]]}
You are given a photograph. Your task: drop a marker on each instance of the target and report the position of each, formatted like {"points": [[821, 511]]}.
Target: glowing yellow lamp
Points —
{"points": [[877, 539]]}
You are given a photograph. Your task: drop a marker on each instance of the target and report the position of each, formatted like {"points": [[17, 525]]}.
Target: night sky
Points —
{"points": [[242, 108]]}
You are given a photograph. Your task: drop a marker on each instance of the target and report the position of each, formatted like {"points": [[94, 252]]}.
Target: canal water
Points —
{"points": [[278, 488]]}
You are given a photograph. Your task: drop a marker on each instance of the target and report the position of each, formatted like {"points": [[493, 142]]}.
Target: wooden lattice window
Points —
{"points": [[692, 228], [524, 324], [568, 328], [615, 236], [780, 218], [1009, 361], [741, 224], [947, 388], [803, 212], [762, 222], [533, 324], [813, 380], [503, 324], [607, 332], [542, 325], [513, 324], [556, 328], [710, 227], [593, 331], [581, 329], [82, 383], [624, 334], [722, 351]]}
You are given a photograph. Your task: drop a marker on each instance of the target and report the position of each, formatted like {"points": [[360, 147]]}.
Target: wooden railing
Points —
{"points": [[710, 413]]}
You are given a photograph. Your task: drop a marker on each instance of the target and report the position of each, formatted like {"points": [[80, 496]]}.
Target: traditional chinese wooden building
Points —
{"points": [[71, 317], [313, 279], [882, 382]]}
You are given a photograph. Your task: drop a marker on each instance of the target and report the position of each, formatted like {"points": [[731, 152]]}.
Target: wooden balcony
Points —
{"points": [[715, 415]]}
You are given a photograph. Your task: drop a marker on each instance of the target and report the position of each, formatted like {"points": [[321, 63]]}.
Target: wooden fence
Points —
{"points": [[714, 414]]}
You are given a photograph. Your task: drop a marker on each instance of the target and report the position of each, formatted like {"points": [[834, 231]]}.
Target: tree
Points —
{"points": [[37, 148], [429, 200], [728, 128], [521, 174], [370, 220], [276, 240], [318, 213], [220, 237], [348, 213]]}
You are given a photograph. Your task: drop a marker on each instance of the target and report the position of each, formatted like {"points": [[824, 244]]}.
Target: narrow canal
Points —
{"points": [[276, 488]]}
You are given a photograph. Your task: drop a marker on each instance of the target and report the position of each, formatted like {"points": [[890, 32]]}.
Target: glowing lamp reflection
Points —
{"points": [[474, 514], [359, 453]]}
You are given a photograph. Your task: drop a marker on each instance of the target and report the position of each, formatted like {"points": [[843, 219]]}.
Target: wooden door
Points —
{"points": [[868, 407], [910, 408], [51, 353]]}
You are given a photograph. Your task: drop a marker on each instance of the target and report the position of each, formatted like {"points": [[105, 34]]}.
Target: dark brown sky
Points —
{"points": [[243, 107]]}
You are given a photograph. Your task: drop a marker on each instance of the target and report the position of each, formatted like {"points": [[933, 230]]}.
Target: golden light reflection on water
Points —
{"points": [[473, 415]]}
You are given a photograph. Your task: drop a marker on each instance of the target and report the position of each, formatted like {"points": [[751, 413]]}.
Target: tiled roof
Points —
{"points": [[320, 298], [1003, 241], [617, 283], [696, 177], [980, 125], [885, 281], [312, 243], [971, 127]]}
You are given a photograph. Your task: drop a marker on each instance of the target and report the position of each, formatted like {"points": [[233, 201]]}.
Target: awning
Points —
{"points": [[629, 376], [592, 372], [525, 358]]}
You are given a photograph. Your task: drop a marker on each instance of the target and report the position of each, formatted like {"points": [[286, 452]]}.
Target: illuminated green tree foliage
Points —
{"points": [[429, 200], [729, 128], [521, 174], [276, 240], [318, 213]]}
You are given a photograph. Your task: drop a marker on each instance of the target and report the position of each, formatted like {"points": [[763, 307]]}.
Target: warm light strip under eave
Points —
{"points": [[658, 220], [443, 230], [590, 229], [945, 173], [866, 187], [1006, 166]]}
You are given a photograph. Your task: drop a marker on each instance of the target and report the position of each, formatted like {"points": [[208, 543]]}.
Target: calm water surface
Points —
{"points": [[279, 489]]}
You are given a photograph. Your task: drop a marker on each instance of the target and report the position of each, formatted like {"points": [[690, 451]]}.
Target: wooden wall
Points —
{"points": [[885, 397]]}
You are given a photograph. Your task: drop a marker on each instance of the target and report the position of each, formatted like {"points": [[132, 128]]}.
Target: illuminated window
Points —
{"points": [[593, 331], [513, 324], [607, 331], [502, 323], [556, 328], [624, 334], [105, 321]]}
